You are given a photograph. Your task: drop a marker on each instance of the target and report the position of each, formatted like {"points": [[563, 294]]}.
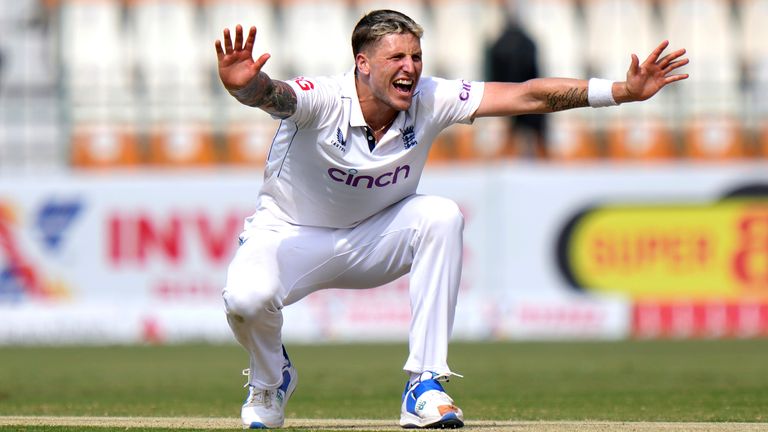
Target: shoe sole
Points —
{"points": [[448, 421]]}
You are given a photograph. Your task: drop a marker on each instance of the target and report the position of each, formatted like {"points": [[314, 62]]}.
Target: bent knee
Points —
{"points": [[442, 213], [244, 305]]}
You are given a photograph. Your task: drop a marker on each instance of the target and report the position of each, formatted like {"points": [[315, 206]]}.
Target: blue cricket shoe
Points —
{"points": [[427, 405], [265, 409]]}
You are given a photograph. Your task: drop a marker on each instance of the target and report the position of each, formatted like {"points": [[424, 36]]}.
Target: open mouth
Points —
{"points": [[404, 86]]}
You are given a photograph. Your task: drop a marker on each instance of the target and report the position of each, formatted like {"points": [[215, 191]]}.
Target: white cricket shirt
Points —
{"points": [[320, 170]]}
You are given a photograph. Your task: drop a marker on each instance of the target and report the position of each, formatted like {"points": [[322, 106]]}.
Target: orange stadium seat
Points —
{"points": [[464, 139], [714, 139], [249, 143], [440, 150], [104, 146], [639, 139], [182, 145], [570, 139], [493, 139], [454, 144], [762, 139]]}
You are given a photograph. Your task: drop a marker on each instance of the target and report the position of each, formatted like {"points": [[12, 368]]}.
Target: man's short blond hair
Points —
{"points": [[379, 23]]}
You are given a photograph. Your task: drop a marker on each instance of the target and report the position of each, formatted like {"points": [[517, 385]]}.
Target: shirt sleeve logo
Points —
{"points": [[466, 87], [304, 83]]}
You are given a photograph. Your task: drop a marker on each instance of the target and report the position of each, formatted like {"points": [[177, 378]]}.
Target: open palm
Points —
{"points": [[236, 64], [646, 79]]}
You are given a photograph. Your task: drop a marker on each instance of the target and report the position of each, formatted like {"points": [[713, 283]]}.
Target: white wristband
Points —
{"points": [[600, 93]]}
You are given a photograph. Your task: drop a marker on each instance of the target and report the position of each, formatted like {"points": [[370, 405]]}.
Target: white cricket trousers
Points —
{"points": [[279, 264]]}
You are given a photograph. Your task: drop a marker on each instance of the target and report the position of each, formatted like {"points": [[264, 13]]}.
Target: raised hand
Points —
{"points": [[237, 67], [646, 79]]}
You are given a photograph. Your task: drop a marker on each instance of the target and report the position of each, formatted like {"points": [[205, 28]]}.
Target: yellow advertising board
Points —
{"points": [[667, 252]]}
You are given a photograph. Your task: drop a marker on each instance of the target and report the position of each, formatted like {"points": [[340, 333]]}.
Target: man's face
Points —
{"points": [[394, 66]]}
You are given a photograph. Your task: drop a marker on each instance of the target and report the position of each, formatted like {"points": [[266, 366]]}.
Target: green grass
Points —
{"points": [[709, 381]]}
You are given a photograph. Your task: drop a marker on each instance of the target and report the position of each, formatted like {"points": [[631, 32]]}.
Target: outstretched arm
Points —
{"points": [[243, 78], [543, 95]]}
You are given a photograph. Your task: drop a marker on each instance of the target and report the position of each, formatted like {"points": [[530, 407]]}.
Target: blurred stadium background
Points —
{"points": [[128, 82], [126, 169]]}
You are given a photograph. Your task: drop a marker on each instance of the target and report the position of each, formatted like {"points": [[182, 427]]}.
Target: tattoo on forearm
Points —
{"points": [[275, 97], [281, 101], [572, 98]]}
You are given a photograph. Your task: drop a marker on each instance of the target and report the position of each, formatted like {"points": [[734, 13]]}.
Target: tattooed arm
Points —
{"points": [[273, 96], [543, 95], [243, 78], [562, 97]]}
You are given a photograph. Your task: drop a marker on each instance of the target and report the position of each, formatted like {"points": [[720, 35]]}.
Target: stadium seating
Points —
{"points": [[715, 139], [461, 43], [28, 52], [180, 144], [30, 109], [171, 53], [456, 143], [762, 139], [571, 139], [220, 14], [640, 139], [105, 145], [753, 40], [706, 28], [30, 141], [248, 142], [614, 30], [317, 35], [134, 64], [493, 139], [442, 149], [96, 54], [554, 25]]}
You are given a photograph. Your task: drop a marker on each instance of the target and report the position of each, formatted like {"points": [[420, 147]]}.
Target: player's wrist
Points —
{"points": [[252, 92], [621, 93], [242, 91], [600, 93]]}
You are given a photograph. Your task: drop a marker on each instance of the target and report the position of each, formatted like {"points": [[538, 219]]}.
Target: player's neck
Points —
{"points": [[377, 115]]}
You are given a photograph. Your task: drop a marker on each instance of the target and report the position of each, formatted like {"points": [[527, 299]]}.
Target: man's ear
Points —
{"points": [[361, 62]]}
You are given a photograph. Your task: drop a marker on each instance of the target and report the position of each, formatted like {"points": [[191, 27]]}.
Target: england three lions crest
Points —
{"points": [[409, 137]]}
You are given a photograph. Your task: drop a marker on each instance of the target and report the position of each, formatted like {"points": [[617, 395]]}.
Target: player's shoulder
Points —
{"points": [[317, 98], [320, 84], [428, 84], [432, 89]]}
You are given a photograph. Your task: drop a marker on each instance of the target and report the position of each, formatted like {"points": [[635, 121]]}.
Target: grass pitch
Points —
{"points": [[634, 381]]}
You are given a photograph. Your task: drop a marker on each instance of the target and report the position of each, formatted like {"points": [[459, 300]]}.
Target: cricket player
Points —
{"points": [[338, 207]]}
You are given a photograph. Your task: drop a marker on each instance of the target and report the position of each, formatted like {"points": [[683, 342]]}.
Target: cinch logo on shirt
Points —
{"points": [[351, 177], [466, 87]]}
